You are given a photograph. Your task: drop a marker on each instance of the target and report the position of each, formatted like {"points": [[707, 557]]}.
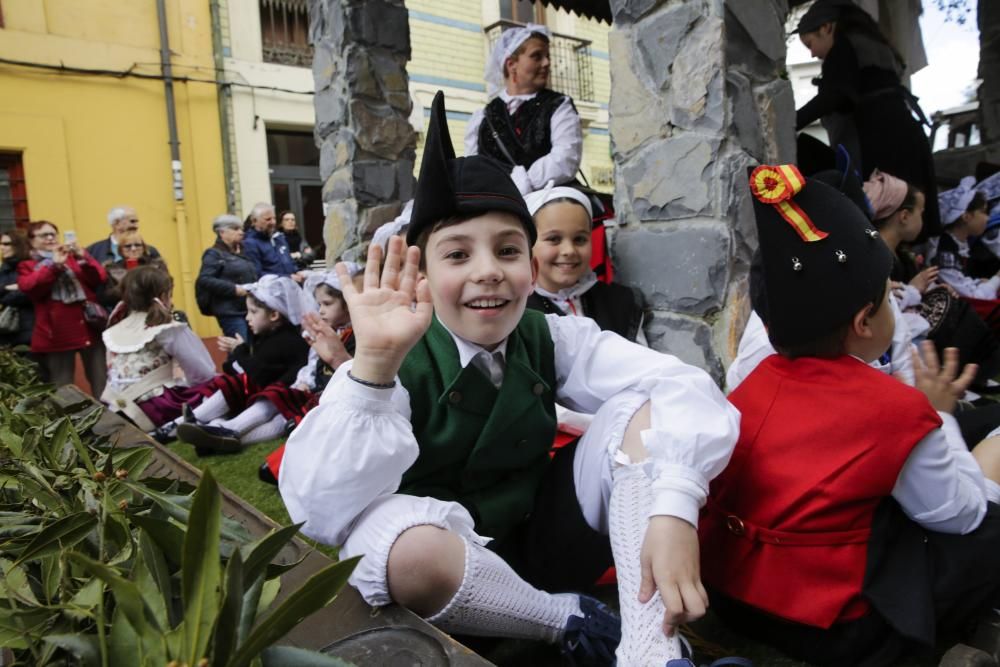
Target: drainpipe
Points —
{"points": [[180, 210], [223, 92]]}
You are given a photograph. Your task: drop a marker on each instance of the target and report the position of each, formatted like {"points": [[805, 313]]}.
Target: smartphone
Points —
{"points": [[69, 237]]}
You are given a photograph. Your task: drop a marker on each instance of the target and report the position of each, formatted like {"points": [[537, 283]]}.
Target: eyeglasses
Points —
{"points": [[44, 235], [6, 243], [133, 246]]}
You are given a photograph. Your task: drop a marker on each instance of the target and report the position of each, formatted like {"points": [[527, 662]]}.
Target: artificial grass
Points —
{"points": [[238, 473]]}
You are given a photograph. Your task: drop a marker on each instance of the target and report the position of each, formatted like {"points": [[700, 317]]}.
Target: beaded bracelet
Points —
{"points": [[373, 385]]}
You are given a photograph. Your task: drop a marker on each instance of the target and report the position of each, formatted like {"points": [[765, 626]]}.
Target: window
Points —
{"points": [[284, 32], [522, 11], [13, 193]]}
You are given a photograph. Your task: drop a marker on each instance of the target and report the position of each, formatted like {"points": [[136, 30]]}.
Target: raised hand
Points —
{"points": [[60, 255], [391, 313], [924, 279], [942, 386], [324, 340], [229, 343]]}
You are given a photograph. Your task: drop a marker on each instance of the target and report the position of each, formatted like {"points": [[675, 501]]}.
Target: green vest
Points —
{"points": [[482, 447]]}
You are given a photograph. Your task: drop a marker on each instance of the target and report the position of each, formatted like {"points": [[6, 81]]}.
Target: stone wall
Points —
{"points": [[362, 116], [698, 93]]}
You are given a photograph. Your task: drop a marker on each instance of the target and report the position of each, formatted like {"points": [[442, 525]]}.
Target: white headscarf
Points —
{"points": [[953, 203], [279, 293], [539, 198], [394, 228], [317, 278], [508, 43]]}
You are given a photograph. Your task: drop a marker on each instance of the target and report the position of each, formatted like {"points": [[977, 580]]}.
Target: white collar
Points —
{"points": [[468, 350], [569, 293], [507, 97]]}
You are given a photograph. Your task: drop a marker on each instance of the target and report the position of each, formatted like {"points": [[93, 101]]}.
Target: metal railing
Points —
{"points": [[572, 69], [284, 32]]}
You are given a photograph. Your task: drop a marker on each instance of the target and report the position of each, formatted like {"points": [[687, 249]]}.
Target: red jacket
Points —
{"points": [[787, 522], [59, 326]]}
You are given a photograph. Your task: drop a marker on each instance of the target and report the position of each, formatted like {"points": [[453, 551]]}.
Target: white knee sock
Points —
{"points": [[213, 407], [257, 414], [269, 430], [494, 602], [643, 641]]}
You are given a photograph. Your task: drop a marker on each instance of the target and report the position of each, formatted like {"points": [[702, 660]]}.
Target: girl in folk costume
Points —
{"points": [[327, 327], [146, 346], [963, 213], [264, 370], [534, 131], [566, 284]]}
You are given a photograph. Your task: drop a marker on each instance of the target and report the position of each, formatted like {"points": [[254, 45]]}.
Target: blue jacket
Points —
{"points": [[270, 255]]}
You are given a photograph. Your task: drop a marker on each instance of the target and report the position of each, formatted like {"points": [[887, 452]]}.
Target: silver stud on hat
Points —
{"points": [[796, 264], [872, 234], [841, 256]]}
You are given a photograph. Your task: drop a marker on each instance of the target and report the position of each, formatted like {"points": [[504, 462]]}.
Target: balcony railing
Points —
{"points": [[284, 31], [572, 70]]}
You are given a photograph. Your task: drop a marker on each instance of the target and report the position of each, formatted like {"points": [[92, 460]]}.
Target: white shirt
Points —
{"points": [[570, 302], [560, 165], [356, 445], [975, 288], [940, 486]]}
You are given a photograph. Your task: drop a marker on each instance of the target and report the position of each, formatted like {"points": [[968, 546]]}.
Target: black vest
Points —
{"points": [[527, 135], [947, 255], [614, 307], [323, 370]]}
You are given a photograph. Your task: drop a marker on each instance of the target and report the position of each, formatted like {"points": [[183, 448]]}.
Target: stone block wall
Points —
{"points": [[361, 48], [698, 93]]}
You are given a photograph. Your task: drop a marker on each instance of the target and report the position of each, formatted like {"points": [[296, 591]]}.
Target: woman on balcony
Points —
{"points": [[527, 126]]}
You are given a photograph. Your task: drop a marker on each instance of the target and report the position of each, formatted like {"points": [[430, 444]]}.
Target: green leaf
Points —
{"points": [[11, 441], [156, 565], [82, 454], [292, 656], [14, 585], [200, 573], [267, 595], [228, 624], [259, 554], [83, 647], [61, 534], [168, 536], [134, 460], [313, 595], [85, 600], [251, 601], [126, 593], [57, 433]]}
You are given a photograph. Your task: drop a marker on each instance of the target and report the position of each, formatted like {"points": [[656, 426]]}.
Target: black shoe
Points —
{"points": [[265, 475], [209, 439], [290, 426], [591, 640], [165, 434], [187, 412]]}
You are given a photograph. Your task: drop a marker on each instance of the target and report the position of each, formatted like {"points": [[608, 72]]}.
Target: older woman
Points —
{"points": [[14, 249], [527, 126], [134, 252], [224, 268], [61, 279]]}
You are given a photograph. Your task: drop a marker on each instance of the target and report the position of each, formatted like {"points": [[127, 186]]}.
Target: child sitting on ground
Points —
{"points": [[429, 452], [852, 519], [963, 213], [264, 370], [145, 345], [566, 284]]}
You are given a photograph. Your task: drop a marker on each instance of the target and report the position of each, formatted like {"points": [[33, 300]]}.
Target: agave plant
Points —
{"points": [[103, 567]]}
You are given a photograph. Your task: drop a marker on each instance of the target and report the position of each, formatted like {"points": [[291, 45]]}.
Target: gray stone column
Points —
{"points": [[697, 94], [362, 116]]}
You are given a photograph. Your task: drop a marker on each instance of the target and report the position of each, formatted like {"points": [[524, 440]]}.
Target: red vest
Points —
{"points": [[787, 522]]}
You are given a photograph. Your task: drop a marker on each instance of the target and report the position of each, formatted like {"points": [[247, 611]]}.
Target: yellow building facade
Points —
{"points": [[83, 111]]}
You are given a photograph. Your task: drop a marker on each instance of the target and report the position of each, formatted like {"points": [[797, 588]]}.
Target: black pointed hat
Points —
{"points": [[822, 259], [452, 186]]}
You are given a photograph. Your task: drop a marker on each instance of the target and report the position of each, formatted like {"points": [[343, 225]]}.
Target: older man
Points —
{"points": [[122, 219], [264, 247]]}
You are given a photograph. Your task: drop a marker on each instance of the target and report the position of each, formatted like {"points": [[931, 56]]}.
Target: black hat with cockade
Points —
{"points": [[452, 186], [822, 259]]}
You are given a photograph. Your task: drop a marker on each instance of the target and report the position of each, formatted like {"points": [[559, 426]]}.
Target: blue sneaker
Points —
{"points": [[591, 641]]}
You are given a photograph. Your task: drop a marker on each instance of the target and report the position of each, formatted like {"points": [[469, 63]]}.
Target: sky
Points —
{"points": [[952, 56]]}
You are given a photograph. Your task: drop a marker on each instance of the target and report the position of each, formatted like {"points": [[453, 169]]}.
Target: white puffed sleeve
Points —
{"points": [[351, 448], [694, 428]]}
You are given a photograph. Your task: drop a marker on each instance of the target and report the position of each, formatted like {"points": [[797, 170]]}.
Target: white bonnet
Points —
{"points": [[508, 43], [279, 293], [539, 198]]}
